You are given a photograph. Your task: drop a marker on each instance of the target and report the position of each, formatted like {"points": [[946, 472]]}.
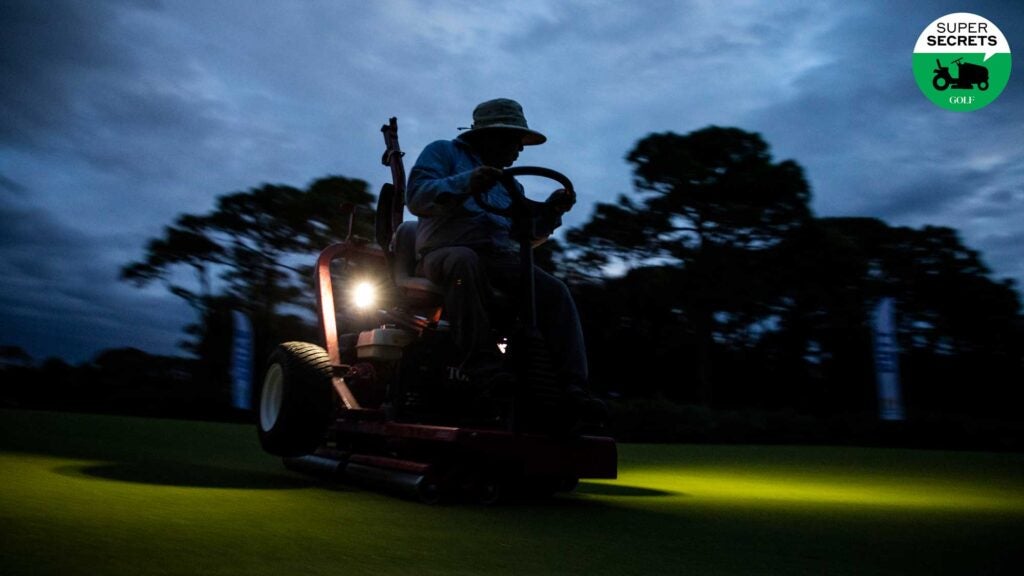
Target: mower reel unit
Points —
{"points": [[382, 402]]}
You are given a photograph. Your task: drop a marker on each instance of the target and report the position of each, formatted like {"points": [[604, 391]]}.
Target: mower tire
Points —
{"points": [[296, 399]]}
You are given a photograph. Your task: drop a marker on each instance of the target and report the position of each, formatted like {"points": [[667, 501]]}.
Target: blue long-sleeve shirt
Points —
{"points": [[437, 180]]}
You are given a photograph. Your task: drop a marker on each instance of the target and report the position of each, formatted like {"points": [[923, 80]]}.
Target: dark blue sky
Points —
{"points": [[118, 115]]}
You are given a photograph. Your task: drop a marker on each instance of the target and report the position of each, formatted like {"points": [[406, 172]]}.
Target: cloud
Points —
{"points": [[61, 296], [10, 188], [42, 45], [118, 115], [873, 145]]}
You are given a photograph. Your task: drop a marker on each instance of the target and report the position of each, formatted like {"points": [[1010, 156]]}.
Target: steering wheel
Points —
{"points": [[520, 205]]}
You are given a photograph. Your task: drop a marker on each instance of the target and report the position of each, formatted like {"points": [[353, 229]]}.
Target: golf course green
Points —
{"points": [[90, 494]]}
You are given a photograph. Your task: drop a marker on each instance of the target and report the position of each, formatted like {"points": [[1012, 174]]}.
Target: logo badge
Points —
{"points": [[962, 62]]}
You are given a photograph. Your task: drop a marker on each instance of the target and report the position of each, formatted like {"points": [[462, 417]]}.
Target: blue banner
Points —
{"points": [[241, 361], [887, 355]]}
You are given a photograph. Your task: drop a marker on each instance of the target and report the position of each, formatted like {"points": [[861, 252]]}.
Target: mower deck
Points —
{"points": [[434, 463]]}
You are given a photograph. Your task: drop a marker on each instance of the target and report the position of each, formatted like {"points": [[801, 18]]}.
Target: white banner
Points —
{"points": [[241, 361], [887, 366]]}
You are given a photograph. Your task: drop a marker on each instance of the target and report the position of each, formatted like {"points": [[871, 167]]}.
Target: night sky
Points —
{"points": [[116, 116]]}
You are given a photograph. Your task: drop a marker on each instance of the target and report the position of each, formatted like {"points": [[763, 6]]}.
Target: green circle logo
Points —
{"points": [[962, 62]]}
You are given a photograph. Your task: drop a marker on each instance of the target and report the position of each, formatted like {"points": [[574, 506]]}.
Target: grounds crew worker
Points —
{"points": [[466, 250]]}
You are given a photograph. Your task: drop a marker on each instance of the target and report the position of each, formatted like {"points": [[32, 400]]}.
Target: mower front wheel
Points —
{"points": [[296, 399]]}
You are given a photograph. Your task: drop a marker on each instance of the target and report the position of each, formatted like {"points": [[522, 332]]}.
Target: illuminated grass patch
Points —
{"points": [[104, 495], [737, 487]]}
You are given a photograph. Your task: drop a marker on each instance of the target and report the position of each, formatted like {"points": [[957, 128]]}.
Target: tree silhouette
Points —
{"points": [[714, 260], [253, 252], [959, 328], [707, 201], [716, 186]]}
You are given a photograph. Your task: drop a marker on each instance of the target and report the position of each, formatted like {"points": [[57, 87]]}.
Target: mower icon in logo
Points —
{"points": [[967, 76]]}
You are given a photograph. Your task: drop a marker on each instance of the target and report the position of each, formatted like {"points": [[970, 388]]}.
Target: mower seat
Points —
{"points": [[416, 290], [419, 292]]}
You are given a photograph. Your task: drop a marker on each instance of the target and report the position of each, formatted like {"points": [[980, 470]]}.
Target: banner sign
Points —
{"points": [[241, 361], [887, 367]]}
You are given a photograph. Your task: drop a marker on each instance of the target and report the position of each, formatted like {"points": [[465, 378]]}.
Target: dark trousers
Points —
{"points": [[468, 276]]}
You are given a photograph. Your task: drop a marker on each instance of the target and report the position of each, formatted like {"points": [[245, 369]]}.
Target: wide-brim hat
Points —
{"points": [[503, 114]]}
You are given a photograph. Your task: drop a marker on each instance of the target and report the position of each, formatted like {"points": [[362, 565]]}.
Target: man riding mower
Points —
{"points": [[417, 391]]}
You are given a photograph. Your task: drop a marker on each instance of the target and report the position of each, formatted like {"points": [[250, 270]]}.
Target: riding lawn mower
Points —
{"points": [[382, 401]]}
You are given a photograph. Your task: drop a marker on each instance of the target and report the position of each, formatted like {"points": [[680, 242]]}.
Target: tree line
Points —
{"points": [[711, 283], [734, 294]]}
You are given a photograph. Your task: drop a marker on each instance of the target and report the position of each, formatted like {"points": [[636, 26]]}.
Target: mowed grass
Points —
{"points": [[85, 494]]}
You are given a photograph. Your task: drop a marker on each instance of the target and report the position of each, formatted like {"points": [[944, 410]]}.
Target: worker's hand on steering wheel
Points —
{"points": [[483, 178], [561, 200]]}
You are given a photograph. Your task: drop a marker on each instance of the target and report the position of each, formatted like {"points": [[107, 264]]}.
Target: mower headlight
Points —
{"points": [[364, 295]]}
